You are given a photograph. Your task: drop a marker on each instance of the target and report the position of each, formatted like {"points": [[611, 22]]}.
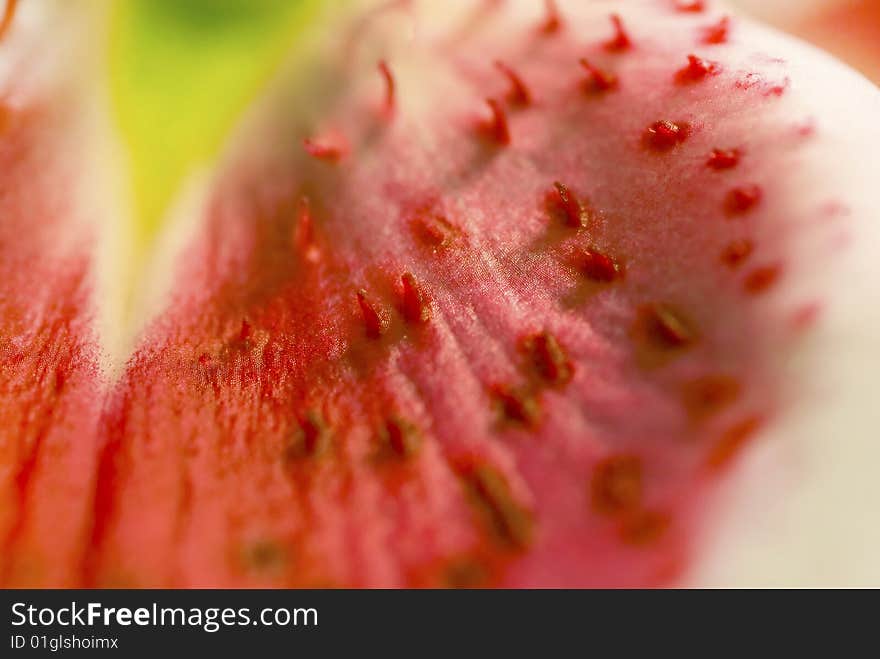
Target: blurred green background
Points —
{"points": [[182, 72]]}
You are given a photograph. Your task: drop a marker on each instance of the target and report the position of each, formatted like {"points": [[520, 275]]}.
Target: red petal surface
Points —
{"points": [[507, 348]]}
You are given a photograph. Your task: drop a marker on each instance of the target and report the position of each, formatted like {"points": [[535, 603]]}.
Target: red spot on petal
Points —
{"points": [[754, 80], [510, 521], [709, 395], [519, 92], [718, 33], [434, 230], [744, 199], [600, 267], [552, 22], [245, 332], [385, 71], [304, 231], [644, 527], [834, 209], [805, 128], [264, 557], [375, 323], [311, 439], [721, 159], [778, 89], [664, 327], [616, 485], [499, 129], [762, 279], [8, 16], [737, 253], [465, 573], [620, 41], [666, 135], [323, 150], [694, 6], [806, 316], [415, 304], [576, 213], [749, 80], [598, 80], [517, 405], [401, 437], [549, 358], [732, 442], [697, 69]]}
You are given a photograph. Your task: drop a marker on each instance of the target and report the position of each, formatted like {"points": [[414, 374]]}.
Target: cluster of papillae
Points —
{"points": [[314, 414]]}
